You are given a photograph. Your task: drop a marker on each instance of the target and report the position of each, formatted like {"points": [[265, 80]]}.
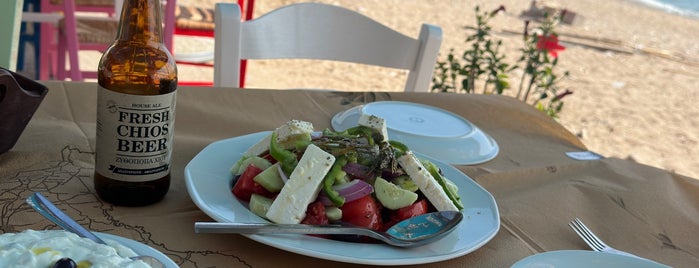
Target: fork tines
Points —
{"points": [[590, 238]]}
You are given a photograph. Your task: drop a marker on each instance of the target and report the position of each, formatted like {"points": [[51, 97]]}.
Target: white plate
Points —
{"points": [[208, 180], [139, 248], [583, 259], [430, 130]]}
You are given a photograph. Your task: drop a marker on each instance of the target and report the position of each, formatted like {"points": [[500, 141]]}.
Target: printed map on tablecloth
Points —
{"points": [[68, 183]]}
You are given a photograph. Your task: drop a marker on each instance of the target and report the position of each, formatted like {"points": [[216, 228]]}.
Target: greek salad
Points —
{"points": [[357, 176]]}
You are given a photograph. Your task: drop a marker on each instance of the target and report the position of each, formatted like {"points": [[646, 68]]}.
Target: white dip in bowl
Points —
{"points": [[41, 249]]}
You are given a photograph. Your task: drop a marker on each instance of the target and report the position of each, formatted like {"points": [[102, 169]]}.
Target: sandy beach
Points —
{"points": [[634, 70]]}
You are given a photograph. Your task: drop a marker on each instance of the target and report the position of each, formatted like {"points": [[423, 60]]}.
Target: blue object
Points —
{"points": [[33, 37]]}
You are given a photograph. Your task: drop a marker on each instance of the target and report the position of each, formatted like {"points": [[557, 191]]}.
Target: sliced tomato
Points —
{"points": [[315, 214], [363, 212], [246, 186], [418, 208]]}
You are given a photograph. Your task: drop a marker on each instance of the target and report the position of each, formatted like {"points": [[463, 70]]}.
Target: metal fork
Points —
{"points": [[593, 241], [47, 209]]}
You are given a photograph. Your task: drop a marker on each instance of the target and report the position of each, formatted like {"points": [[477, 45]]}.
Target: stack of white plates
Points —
{"points": [[429, 130]]}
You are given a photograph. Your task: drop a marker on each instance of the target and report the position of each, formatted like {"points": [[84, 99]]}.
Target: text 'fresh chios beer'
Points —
{"points": [[137, 80]]}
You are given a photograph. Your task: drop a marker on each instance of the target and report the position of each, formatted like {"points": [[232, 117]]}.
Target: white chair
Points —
{"points": [[323, 32]]}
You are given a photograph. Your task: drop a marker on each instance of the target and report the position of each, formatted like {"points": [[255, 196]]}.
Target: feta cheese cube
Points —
{"points": [[374, 122], [426, 183], [302, 188], [284, 132]]}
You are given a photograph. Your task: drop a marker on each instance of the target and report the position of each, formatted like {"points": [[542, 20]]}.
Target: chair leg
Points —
{"points": [[26, 38], [47, 49], [243, 67], [36, 40], [23, 40], [169, 29], [68, 42], [33, 38], [61, 73], [249, 6]]}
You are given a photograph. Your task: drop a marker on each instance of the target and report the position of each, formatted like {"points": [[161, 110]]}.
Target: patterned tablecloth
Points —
{"points": [[538, 188]]}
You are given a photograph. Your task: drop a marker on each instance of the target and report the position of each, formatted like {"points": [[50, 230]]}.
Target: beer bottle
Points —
{"points": [[137, 80]]}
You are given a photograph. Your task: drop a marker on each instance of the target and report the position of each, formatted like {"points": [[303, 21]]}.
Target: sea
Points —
{"points": [[689, 8]]}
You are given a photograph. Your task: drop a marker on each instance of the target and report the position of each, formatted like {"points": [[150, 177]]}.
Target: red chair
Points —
{"points": [[86, 25], [57, 40], [197, 21]]}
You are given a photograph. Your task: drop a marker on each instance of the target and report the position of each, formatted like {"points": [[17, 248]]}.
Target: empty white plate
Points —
{"points": [[429, 130], [583, 259]]}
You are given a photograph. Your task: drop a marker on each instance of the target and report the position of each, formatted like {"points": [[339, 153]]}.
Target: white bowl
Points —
{"points": [[429, 130]]}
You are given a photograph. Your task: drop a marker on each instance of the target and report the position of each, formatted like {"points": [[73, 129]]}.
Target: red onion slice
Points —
{"points": [[324, 199], [358, 170], [352, 190], [388, 174]]}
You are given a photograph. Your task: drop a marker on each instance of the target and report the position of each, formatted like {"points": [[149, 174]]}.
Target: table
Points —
{"points": [[644, 210]]}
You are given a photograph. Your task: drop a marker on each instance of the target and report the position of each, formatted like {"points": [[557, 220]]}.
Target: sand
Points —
{"points": [[634, 70]]}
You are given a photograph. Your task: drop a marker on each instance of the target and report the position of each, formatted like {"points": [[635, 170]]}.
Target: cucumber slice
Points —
{"points": [[260, 205], [333, 213], [392, 196], [235, 169], [259, 162], [270, 179], [406, 182]]}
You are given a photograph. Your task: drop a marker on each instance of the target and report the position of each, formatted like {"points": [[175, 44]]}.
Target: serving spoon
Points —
{"points": [[47, 209], [415, 231]]}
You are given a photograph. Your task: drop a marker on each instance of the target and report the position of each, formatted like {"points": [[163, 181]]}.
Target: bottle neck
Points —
{"points": [[140, 22]]}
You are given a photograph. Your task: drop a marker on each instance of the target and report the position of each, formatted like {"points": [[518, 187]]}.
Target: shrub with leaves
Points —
{"points": [[483, 60], [540, 57]]}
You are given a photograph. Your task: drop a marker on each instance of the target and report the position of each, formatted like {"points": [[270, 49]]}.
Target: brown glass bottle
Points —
{"points": [[137, 79]]}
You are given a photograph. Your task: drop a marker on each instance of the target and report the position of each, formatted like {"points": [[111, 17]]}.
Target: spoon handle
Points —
{"points": [[265, 228], [42, 205]]}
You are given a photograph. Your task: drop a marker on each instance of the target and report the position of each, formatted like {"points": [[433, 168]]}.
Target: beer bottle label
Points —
{"points": [[134, 135]]}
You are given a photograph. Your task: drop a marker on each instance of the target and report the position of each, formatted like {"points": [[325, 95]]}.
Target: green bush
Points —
{"points": [[482, 64]]}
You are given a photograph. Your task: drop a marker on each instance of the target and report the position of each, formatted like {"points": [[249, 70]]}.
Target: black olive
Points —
{"points": [[65, 263]]}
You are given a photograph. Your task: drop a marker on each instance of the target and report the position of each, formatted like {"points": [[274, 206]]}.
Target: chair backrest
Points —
{"points": [[93, 29], [322, 32], [10, 19]]}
